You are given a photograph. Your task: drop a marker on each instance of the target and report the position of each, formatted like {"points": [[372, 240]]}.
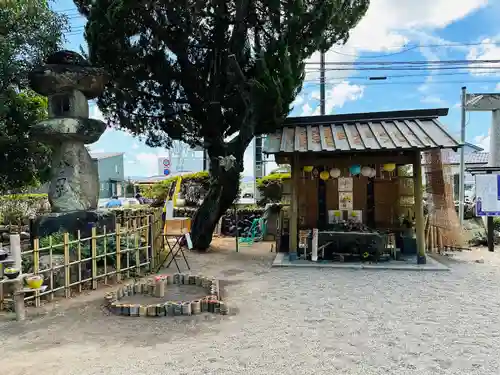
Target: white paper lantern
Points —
{"points": [[366, 171], [335, 172], [373, 172]]}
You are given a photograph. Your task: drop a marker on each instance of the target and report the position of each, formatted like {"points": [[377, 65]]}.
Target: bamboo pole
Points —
{"points": [[51, 272], [67, 277], [36, 268], [118, 253], [127, 254], [79, 258], [137, 236], [94, 258], [105, 249]]}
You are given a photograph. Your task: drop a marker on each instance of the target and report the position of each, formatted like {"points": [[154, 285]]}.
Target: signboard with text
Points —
{"points": [[488, 195]]}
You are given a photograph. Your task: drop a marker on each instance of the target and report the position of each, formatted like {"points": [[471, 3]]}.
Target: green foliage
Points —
{"points": [[203, 72], [19, 208], [271, 186], [29, 31], [211, 79], [198, 182]]}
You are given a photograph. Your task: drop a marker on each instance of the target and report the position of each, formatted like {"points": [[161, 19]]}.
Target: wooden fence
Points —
{"points": [[71, 263]]}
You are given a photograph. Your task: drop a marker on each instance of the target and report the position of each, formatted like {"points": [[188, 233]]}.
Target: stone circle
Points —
{"points": [[156, 286]]}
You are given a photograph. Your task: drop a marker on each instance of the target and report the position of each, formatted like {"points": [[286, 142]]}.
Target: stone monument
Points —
{"points": [[69, 81]]}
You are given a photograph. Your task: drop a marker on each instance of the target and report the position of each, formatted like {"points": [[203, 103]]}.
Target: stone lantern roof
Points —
{"points": [[68, 70]]}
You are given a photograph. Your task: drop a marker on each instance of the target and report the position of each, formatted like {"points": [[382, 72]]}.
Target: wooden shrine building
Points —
{"points": [[347, 166]]}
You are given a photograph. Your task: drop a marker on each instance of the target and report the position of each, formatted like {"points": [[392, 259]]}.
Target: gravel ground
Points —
{"points": [[288, 321]]}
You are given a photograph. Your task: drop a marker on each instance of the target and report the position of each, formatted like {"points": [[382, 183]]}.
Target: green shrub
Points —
{"points": [[194, 187], [271, 186], [20, 208]]}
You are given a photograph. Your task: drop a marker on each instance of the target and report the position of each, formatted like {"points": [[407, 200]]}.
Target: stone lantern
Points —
{"points": [[69, 81]]}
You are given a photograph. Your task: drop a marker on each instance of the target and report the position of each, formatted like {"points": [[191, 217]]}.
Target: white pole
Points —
{"points": [[461, 193], [15, 250]]}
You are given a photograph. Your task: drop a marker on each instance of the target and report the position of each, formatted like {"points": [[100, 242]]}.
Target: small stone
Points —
{"points": [[480, 260], [126, 310], [160, 310], [152, 310], [170, 279], [177, 308], [186, 308], [134, 310], [204, 305], [137, 288], [198, 280], [114, 308], [196, 307], [223, 308], [170, 309], [159, 291]]}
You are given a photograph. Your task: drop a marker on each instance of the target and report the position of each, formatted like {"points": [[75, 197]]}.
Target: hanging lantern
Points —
{"points": [[308, 168], [389, 167], [324, 175], [335, 172], [373, 173], [355, 169], [315, 173], [366, 171]]}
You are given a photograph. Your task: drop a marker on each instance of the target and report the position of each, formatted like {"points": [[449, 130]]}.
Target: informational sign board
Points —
{"points": [[488, 195]]}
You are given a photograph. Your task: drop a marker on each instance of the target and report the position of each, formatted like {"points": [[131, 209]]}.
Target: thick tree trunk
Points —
{"points": [[223, 191]]}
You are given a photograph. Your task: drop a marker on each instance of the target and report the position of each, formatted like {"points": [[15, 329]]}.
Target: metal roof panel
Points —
{"points": [[372, 134]]}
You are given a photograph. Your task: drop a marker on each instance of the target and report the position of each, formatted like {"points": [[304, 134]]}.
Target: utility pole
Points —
{"points": [[461, 193], [322, 91]]}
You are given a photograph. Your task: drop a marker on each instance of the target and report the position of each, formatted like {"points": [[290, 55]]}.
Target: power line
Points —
{"points": [[405, 75], [419, 69], [405, 83], [415, 46], [412, 62]]}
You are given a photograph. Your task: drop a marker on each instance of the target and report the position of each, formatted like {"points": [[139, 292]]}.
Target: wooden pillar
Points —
{"points": [[294, 205], [419, 208]]}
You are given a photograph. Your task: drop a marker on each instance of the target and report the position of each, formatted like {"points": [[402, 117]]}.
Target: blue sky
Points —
{"points": [[392, 30]]}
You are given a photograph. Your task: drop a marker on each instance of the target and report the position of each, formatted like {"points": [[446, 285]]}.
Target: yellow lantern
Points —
{"points": [[324, 175], [389, 167], [308, 168]]}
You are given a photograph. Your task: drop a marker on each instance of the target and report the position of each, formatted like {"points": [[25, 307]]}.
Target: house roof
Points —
{"points": [[471, 158], [377, 131], [474, 147], [104, 155]]}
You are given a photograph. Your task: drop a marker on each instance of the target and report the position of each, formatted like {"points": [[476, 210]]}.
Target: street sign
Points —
{"points": [[166, 172], [166, 163]]}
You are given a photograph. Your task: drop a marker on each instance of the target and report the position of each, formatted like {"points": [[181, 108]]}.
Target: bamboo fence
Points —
{"points": [[72, 264]]}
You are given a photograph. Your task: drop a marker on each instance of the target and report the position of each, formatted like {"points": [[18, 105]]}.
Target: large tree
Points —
{"points": [[29, 31], [207, 71]]}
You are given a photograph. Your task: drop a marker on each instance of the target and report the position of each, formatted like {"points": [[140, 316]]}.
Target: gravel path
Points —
{"points": [[290, 321]]}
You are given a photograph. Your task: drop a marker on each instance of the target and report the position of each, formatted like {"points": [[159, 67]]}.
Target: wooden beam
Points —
{"points": [[294, 205], [419, 208]]}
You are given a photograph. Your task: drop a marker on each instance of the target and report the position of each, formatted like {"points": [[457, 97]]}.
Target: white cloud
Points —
{"points": [[389, 25], [485, 51], [135, 146], [483, 141], [342, 93], [432, 99]]}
